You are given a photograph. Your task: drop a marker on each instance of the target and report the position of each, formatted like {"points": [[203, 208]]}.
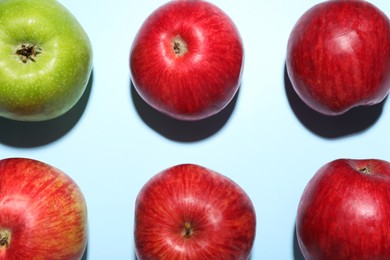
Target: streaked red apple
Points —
{"points": [[43, 214], [187, 59], [338, 56], [344, 212], [191, 212]]}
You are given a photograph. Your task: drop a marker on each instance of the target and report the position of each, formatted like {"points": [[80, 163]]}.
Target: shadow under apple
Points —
{"points": [[179, 130], [85, 255], [296, 249], [33, 134], [353, 121]]}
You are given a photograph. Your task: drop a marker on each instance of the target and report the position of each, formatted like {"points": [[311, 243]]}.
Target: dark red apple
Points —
{"points": [[43, 213], [191, 212], [186, 60], [344, 212], [338, 56]]}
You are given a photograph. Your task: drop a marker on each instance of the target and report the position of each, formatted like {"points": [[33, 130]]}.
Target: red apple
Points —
{"points": [[190, 212], [43, 213], [344, 212], [338, 56], [186, 60]]}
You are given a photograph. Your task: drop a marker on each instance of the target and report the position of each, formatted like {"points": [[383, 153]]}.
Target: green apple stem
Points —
{"points": [[187, 230], [179, 46], [5, 237], [28, 51]]}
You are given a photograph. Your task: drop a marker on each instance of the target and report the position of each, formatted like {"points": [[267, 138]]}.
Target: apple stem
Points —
{"points": [[179, 46], [187, 230], [5, 237], [365, 170], [28, 51]]}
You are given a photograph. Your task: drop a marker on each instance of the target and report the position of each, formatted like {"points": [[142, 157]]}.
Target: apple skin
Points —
{"points": [[338, 56], [50, 83], [344, 211], [191, 212], [43, 214], [186, 60]]}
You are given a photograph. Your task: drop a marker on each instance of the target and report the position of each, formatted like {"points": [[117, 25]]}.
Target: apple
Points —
{"points": [[191, 212], [338, 56], [186, 60], [344, 211], [46, 60], [43, 214]]}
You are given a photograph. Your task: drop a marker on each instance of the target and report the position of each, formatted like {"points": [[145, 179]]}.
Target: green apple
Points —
{"points": [[45, 59]]}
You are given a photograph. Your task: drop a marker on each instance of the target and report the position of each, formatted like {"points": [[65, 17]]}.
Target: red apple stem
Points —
{"points": [[5, 237], [365, 170], [176, 47], [187, 230], [179, 46], [28, 51]]}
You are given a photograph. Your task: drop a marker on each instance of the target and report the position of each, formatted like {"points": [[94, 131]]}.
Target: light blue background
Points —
{"points": [[267, 141]]}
